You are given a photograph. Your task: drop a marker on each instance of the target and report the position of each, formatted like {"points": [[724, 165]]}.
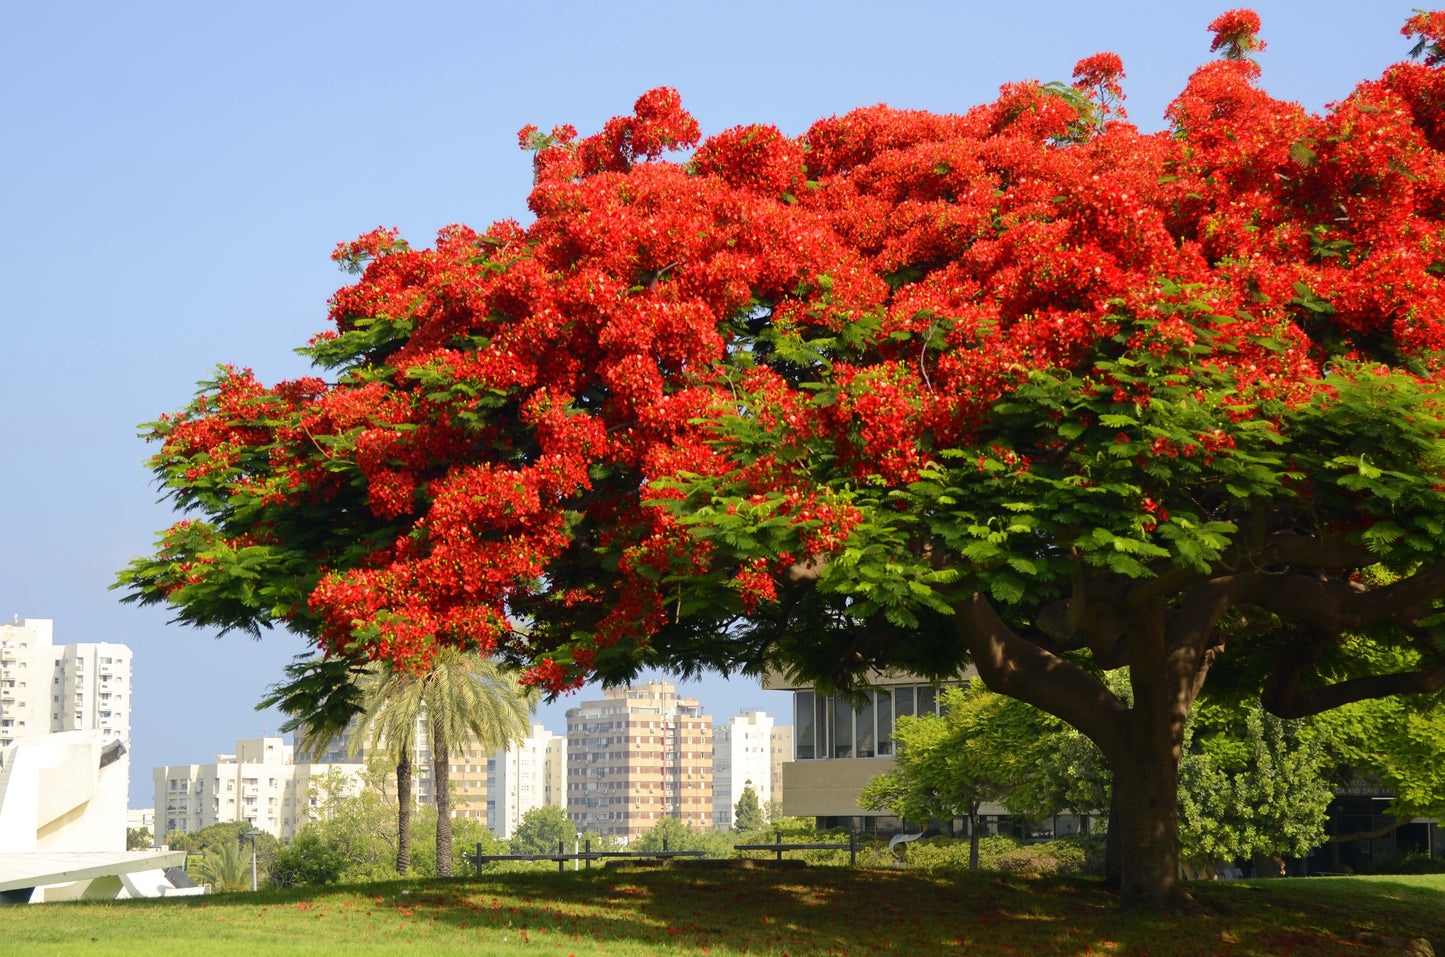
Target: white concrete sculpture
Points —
{"points": [[62, 823]]}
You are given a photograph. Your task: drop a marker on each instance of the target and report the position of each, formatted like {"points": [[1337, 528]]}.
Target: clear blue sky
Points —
{"points": [[176, 175]]}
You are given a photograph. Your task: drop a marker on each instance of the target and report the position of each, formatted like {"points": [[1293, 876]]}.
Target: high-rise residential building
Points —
{"points": [[638, 755], [526, 776], [741, 756], [46, 687], [259, 784]]}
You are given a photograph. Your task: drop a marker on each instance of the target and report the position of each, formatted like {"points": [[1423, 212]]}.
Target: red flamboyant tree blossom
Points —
{"points": [[1021, 387]]}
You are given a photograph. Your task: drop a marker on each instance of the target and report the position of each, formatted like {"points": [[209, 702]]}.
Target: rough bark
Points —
{"points": [[1146, 795], [441, 775], [403, 811]]}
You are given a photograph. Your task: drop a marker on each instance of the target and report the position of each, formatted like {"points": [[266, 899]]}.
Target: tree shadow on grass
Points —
{"points": [[840, 911], [805, 912]]}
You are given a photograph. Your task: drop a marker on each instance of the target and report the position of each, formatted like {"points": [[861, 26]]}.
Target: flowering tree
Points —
{"points": [[1022, 386]]}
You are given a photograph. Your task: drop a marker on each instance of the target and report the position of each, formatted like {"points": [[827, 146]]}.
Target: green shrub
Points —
{"points": [[1415, 864]]}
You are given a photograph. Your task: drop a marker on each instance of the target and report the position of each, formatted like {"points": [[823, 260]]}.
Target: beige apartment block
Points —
{"points": [[260, 784], [639, 755], [46, 687]]}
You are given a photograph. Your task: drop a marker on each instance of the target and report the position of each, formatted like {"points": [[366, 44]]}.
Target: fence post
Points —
{"points": [[780, 844], [561, 861], [664, 845], [852, 848], [587, 846], [478, 859]]}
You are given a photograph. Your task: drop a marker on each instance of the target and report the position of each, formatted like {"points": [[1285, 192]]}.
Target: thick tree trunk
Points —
{"points": [[1141, 740], [403, 812], [1146, 800], [441, 777]]}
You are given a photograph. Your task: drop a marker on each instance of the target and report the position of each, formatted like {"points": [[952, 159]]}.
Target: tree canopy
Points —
{"points": [[1021, 386]]}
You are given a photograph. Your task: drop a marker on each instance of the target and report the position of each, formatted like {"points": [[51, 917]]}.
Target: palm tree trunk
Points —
{"points": [[441, 781], [403, 811]]}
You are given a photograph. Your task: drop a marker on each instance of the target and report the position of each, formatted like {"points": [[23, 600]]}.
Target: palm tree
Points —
{"points": [[226, 867], [468, 699], [461, 698]]}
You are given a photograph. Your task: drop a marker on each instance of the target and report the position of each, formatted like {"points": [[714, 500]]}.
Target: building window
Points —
{"points": [[803, 722]]}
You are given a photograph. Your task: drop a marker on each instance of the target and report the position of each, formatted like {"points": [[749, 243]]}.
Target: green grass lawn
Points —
{"points": [[667, 912]]}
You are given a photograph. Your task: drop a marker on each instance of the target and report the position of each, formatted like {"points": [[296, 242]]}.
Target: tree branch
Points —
{"points": [[1291, 702], [1020, 669], [1395, 822], [1336, 605]]}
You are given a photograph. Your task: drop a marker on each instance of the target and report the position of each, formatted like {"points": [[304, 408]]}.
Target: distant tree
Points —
{"points": [[772, 811], [1394, 744], [747, 815], [355, 841], [980, 749], [541, 829], [327, 794], [137, 838], [600, 842], [225, 832], [673, 834], [668, 833], [311, 861]]}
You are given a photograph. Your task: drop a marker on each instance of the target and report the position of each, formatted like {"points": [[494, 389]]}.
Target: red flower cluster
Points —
{"points": [[517, 412]]}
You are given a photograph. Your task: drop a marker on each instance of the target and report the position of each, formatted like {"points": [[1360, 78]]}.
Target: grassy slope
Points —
{"points": [[815, 911]]}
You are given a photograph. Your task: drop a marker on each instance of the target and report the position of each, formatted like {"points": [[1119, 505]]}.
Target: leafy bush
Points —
{"points": [[1415, 864], [309, 861], [1076, 854]]}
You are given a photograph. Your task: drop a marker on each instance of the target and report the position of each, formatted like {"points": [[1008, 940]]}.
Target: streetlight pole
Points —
{"points": [[252, 836]]}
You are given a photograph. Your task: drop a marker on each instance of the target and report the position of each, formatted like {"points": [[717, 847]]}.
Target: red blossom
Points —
{"points": [[516, 412]]}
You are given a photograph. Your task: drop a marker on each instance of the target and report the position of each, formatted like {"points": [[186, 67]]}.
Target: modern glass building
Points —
{"points": [[840, 744]]}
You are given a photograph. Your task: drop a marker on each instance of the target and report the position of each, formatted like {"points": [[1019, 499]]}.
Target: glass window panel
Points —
{"points": [[902, 702], [863, 721], [842, 728], [822, 727], [803, 720], [885, 723], [927, 700]]}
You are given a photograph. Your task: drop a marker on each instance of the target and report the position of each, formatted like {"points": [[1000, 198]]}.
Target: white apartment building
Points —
{"points": [[46, 688], [528, 775], [259, 784], [741, 755], [781, 742]]}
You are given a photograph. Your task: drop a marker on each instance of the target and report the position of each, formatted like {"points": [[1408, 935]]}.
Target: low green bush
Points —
{"points": [[1414, 864]]}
